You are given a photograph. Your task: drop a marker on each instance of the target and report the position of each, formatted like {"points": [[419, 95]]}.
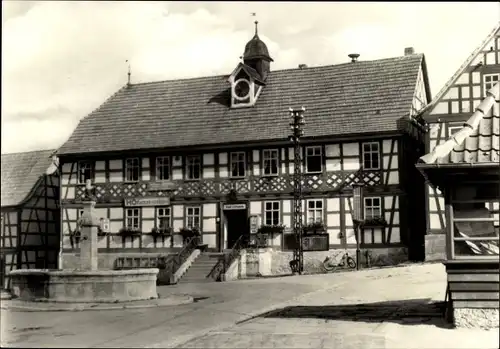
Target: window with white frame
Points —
{"points": [[453, 129], [314, 159], [272, 212], [163, 217], [238, 164], [132, 169], [270, 161], [489, 81], [371, 156], [373, 207], [132, 218], [192, 217], [163, 168], [314, 211], [193, 167], [85, 171]]}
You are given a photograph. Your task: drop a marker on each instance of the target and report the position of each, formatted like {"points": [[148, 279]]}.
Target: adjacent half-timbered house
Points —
{"points": [[447, 113], [30, 212], [210, 152]]}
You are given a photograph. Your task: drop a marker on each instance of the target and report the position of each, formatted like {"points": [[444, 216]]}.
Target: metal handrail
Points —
{"points": [[225, 260], [181, 256]]}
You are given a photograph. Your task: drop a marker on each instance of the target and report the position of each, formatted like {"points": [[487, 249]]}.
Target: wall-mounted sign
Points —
{"points": [[105, 228], [235, 206], [320, 242], [148, 201], [161, 186]]}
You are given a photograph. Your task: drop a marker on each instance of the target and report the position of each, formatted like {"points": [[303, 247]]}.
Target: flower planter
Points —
{"points": [[374, 223], [128, 232]]}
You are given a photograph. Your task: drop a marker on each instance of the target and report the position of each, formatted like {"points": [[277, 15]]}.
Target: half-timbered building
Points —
{"points": [[29, 212], [210, 152], [446, 115]]}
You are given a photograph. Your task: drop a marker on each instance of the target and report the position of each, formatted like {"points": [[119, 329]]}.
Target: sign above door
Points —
{"points": [[234, 206]]}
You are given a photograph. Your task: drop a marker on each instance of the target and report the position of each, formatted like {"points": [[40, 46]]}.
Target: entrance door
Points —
{"points": [[237, 225]]}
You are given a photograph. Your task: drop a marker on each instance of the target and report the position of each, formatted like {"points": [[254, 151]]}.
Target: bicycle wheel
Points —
{"points": [[328, 266], [351, 263]]}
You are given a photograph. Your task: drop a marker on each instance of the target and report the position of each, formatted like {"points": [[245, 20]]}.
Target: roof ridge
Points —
{"points": [[30, 151], [274, 71], [459, 71]]}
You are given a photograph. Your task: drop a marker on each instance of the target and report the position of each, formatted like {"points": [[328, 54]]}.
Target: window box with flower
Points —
{"points": [[374, 222], [189, 233], [129, 232], [161, 231], [315, 228]]}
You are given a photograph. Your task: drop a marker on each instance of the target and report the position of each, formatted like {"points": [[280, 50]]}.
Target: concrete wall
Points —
{"points": [[105, 260]]}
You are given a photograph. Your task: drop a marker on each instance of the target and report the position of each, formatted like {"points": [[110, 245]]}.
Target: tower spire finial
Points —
{"points": [[128, 73], [256, 29]]}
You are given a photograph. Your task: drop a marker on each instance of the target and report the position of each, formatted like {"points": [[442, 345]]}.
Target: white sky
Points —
{"points": [[61, 60]]}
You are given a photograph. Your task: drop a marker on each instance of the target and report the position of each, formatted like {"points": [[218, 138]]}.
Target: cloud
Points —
{"points": [[61, 60]]}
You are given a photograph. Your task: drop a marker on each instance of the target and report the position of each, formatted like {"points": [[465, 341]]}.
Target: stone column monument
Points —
{"points": [[88, 238]]}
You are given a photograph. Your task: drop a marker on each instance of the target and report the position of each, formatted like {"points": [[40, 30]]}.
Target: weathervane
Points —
{"points": [[129, 73]]}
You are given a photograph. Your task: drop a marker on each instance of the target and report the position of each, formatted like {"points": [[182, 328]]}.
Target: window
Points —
{"points": [[132, 170], [270, 161], [237, 161], [192, 217], [193, 167], [314, 159], [163, 217], [163, 168], [371, 156], [132, 218], [453, 129], [272, 212], [85, 171], [314, 211], [373, 208], [489, 81]]}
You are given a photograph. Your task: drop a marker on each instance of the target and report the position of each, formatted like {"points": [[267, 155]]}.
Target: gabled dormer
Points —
{"points": [[248, 79]]}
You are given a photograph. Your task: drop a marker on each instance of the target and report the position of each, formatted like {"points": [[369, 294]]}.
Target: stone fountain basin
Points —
{"points": [[80, 286]]}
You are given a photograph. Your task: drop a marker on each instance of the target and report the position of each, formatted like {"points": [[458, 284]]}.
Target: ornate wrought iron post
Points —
{"points": [[296, 125]]}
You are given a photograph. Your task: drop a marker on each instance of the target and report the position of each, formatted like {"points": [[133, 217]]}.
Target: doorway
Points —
{"points": [[237, 225]]}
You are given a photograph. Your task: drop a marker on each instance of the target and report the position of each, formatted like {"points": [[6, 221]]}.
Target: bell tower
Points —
{"points": [[257, 56]]}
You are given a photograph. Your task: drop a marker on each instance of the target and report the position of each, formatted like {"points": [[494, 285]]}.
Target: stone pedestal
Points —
{"points": [[88, 240]]}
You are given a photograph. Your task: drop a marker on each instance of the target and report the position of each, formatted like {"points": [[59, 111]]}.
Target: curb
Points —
{"points": [[25, 306], [244, 318]]}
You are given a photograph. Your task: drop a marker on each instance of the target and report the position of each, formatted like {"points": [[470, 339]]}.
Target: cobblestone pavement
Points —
{"points": [[384, 308]]}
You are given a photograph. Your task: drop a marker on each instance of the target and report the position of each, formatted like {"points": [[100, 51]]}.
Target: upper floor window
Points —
{"points": [[314, 159], [163, 168], [132, 218], [489, 81], [237, 162], [371, 156], [373, 207], [314, 211], [132, 170], [193, 217], [163, 217], [270, 161], [453, 129], [85, 171], [272, 212], [193, 167]]}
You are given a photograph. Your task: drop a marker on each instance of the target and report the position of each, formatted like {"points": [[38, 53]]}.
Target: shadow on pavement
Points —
{"points": [[404, 312]]}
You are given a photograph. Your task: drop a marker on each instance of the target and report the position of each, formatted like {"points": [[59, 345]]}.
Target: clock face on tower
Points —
{"points": [[241, 89]]}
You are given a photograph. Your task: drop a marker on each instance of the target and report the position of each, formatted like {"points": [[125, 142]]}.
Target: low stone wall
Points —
{"points": [[268, 261], [476, 318], [78, 286], [106, 260], [435, 247], [313, 261]]}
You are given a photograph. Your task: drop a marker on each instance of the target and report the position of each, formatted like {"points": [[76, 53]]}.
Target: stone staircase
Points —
{"points": [[200, 268]]}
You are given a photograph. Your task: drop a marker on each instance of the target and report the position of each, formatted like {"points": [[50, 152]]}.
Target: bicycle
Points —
{"points": [[331, 264]]}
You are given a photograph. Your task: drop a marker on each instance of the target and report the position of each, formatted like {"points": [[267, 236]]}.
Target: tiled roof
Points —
{"points": [[20, 174], [350, 98]]}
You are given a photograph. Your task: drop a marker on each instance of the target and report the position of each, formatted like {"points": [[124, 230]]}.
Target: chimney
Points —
{"points": [[302, 66], [354, 57], [409, 51]]}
